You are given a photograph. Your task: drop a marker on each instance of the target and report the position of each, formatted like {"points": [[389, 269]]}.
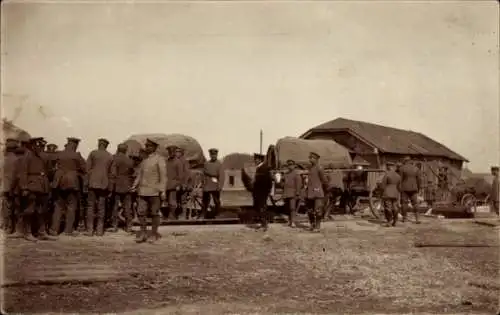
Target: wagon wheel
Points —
{"points": [[375, 204], [470, 202]]}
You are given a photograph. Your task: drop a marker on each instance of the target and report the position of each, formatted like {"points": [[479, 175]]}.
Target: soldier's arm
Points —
{"points": [[419, 180], [90, 162], [298, 183], [113, 173], [22, 169], [138, 176], [162, 169], [222, 175]]}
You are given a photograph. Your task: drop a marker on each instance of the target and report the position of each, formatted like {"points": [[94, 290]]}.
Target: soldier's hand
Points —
{"points": [[163, 195], [178, 188], [24, 193]]}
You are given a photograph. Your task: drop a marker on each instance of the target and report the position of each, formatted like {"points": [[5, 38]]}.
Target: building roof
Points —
{"points": [[388, 139]]}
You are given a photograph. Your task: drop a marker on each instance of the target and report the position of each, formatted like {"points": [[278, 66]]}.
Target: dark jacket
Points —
{"points": [[212, 176], [122, 173], [263, 181], [33, 173], [70, 167], [98, 169], [316, 182], [410, 178], [292, 184], [391, 185]]}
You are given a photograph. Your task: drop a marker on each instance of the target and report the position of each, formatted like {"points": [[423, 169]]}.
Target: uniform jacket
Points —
{"points": [[98, 169], [175, 173], [186, 172], [391, 185], [121, 174], [410, 178], [263, 181], [316, 181], [495, 189], [70, 166], [151, 178], [212, 176], [33, 173], [292, 184], [9, 172], [51, 158]]}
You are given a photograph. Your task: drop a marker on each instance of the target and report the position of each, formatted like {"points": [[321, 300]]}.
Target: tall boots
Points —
{"points": [[28, 235], [89, 223], [42, 228], [19, 228], [142, 236], [155, 224], [314, 221], [394, 217]]}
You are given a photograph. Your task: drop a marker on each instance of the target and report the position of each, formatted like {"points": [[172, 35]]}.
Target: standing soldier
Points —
{"points": [[174, 180], [20, 200], [8, 182], [430, 193], [212, 184], [410, 187], [34, 185], [150, 185], [316, 184], [261, 188], [122, 171], [495, 190], [291, 190], [51, 157], [391, 186], [182, 193], [70, 168], [98, 169]]}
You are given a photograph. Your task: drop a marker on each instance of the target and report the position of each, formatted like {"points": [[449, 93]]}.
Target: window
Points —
{"points": [[231, 180]]}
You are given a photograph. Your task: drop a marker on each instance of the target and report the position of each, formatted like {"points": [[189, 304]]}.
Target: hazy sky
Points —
{"points": [[220, 71]]}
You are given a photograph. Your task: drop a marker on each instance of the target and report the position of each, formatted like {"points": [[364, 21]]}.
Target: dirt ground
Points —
{"points": [[352, 266]]}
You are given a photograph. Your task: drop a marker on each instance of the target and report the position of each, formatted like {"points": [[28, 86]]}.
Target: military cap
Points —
{"points": [[11, 143], [73, 139], [314, 155], [52, 145], [122, 146], [290, 161], [390, 163], [179, 149], [258, 156], [38, 141], [151, 141], [103, 140], [171, 147], [213, 150], [494, 168]]}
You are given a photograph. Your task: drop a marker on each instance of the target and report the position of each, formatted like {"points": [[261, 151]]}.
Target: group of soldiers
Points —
{"points": [[41, 185]]}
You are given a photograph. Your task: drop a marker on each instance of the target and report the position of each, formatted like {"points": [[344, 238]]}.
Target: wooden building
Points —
{"points": [[379, 144]]}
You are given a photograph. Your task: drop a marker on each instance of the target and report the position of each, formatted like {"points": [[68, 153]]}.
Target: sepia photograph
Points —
{"points": [[250, 157]]}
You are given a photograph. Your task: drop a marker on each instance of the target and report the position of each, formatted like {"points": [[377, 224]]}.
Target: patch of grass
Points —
{"points": [[233, 269]]}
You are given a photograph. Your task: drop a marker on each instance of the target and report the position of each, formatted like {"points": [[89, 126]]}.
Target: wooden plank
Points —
{"points": [[74, 279]]}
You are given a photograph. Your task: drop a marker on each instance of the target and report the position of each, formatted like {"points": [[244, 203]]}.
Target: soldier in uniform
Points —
{"points": [[99, 187], [34, 184], [316, 187], [150, 185], [291, 190], [8, 185], [182, 193], [495, 187], [51, 157], [174, 180], [70, 168], [410, 187], [121, 176], [262, 185], [391, 192], [212, 184], [20, 200]]}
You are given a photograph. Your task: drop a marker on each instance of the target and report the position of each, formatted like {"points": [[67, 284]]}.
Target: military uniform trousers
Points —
{"points": [[205, 202], [494, 206], [314, 208], [260, 205], [8, 212], [96, 209], [409, 196], [148, 205], [390, 209], [66, 205], [36, 208], [291, 204], [125, 201]]}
